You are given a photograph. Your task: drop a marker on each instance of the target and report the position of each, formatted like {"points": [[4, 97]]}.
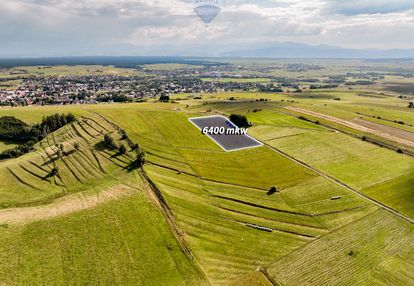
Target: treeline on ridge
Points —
{"points": [[14, 129]]}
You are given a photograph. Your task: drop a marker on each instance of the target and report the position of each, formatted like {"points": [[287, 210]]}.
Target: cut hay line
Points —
{"points": [[263, 207], [105, 119], [86, 165], [339, 211], [97, 122], [33, 173], [165, 158], [86, 121], [206, 179], [78, 133], [86, 131], [39, 167], [282, 137], [44, 158], [172, 169], [272, 219], [271, 229], [97, 161], [22, 181], [79, 166], [88, 161], [110, 160], [71, 171], [114, 156], [91, 148]]}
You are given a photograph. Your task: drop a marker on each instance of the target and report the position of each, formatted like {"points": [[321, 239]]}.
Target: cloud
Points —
{"points": [[89, 27], [358, 7]]}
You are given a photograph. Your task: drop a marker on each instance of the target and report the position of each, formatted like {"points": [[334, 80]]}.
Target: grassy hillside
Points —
{"points": [[5, 145], [95, 222], [124, 242], [218, 198]]}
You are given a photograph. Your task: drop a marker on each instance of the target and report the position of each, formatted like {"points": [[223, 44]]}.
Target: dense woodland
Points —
{"points": [[16, 130]]}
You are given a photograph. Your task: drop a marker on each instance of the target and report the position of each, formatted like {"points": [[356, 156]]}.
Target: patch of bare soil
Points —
{"points": [[63, 206], [357, 125], [403, 134]]}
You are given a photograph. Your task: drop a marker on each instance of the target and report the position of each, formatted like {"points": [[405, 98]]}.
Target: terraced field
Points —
{"points": [[97, 221]]}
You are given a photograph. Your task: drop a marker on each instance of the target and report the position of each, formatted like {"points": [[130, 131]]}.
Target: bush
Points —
{"points": [[122, 149], [139, 160], [109, 142], [239, 120], [411, 105], [272, 191], [54, 172], [164, 98]]}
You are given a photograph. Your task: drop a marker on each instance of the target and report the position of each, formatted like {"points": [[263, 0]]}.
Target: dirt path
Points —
{"points": [[354, 125], [63, 206]]}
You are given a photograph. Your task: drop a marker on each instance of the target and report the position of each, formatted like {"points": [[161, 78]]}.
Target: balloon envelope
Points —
{"points": [[207, 13]]}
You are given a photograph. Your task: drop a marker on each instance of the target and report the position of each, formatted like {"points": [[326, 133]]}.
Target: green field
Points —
{"points": [[196, 214], [124, 242], [214, 194], [94, 223], [5, 145]]}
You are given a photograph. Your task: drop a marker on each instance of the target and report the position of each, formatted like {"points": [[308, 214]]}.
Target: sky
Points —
{"points": [[38, 28]]}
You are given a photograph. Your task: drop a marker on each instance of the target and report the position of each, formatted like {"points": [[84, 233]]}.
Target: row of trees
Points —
{"points": [[239, 120], [110, 144], [16, 130]]}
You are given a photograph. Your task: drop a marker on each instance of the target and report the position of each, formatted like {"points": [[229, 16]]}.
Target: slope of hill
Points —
{"points": [[95, 221]]}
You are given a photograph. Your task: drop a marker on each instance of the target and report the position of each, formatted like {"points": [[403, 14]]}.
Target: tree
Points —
{"points": [[54, 172], [272, 191], [411, 105], [122, 149], [239, 120], [164, 98], [140, 159], [76, 145], [109, 142]]}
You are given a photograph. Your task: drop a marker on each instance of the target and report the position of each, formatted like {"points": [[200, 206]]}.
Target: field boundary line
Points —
{"points": [[160, 200], [338, 182], [206, 179], [382, 135]]}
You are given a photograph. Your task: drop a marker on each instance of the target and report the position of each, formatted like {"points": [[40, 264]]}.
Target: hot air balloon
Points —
{"points": [[207, 12]]}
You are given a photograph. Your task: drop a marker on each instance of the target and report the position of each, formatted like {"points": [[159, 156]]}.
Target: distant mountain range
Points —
{"points": [[296, 50]]}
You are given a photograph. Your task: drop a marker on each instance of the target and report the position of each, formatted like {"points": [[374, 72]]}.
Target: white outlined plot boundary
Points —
{"points": [[256, 145]]}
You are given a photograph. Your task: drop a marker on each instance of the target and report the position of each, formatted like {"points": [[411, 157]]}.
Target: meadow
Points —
{"points": [[95, 222], [216, 197], [202, 215]]}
